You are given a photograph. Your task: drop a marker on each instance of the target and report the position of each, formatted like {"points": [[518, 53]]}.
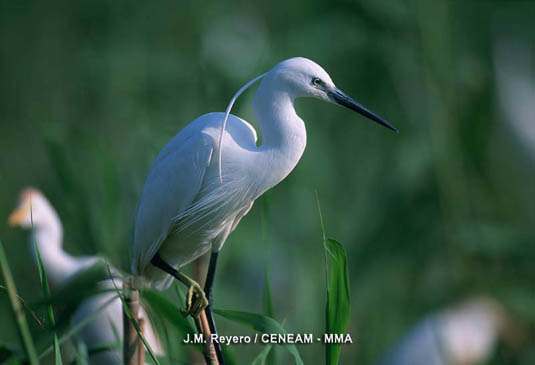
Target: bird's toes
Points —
{"points": [[199, 306], [189, 299], [199, 302], [195, 310]]}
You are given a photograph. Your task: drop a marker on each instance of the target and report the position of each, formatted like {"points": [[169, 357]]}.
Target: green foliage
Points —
{"points": [[10, 352], [91, 91], [82, 286], [167, 310], [268, 299], [82, 357], [46, 292], [260, 323], [73, 330], [338, 304], [266, 356], [262, 357], [338, 299], [134, 322], [16, 307]]}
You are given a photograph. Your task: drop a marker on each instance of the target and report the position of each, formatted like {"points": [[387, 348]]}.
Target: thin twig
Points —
{"points": [[140, 349], [132, 319], [201, 323], [27, 308], [208, 347], [131, 342]]}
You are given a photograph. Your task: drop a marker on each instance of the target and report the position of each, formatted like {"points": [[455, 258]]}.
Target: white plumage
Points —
{"points": [[184, 204], [60, 267], [465, 334], [187, 208]]}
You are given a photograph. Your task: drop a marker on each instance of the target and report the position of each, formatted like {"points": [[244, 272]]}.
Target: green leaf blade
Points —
{"points": [[167, 310], [261, 358], [46, 292], [338, 297], [260, 323], [22, 325], [133, 320]]}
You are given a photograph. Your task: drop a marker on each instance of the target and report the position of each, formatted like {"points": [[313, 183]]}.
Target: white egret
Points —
{"points": [[35, 212], [196, 193], [465, 333]]}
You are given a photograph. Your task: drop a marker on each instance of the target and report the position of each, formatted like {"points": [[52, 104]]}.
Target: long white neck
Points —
{"points": [[59, 265], [283, 132]]}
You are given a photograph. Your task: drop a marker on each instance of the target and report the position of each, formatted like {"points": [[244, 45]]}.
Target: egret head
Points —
{"points": [[302, 77], [32, 207], [469, 330]]}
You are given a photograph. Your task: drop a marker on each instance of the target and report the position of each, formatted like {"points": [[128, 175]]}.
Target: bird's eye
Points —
{"points": [[316, 81]]}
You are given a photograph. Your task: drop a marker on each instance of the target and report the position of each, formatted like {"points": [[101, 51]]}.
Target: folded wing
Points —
{"points": [[173, 183]]}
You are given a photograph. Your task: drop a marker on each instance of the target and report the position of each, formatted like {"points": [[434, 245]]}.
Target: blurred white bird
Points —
{"points": [[464, 334], [196, 193], [35, 212]]}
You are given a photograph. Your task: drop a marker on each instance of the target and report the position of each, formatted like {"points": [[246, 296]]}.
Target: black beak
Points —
{"points": [[340, 98]]}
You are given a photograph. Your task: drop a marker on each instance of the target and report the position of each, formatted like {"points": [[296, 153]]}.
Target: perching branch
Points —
{"points": [[201, 323], [208, 348], [131, 344]]}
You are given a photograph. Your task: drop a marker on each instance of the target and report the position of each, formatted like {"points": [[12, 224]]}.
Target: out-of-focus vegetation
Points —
{"points": [[90, 91]]}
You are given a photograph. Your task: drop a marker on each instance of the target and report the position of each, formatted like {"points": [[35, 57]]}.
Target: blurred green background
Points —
{"points": [[90, 91]]}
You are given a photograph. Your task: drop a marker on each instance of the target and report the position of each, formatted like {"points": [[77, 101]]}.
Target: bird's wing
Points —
{"points": [[172, 185]]}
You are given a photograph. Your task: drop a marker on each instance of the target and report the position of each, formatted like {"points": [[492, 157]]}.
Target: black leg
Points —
{"points": [[196, 300], [161, 264], [209, 315]]}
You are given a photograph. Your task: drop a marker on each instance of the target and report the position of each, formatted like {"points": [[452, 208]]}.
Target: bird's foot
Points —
{"points": [[196, 300]]}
